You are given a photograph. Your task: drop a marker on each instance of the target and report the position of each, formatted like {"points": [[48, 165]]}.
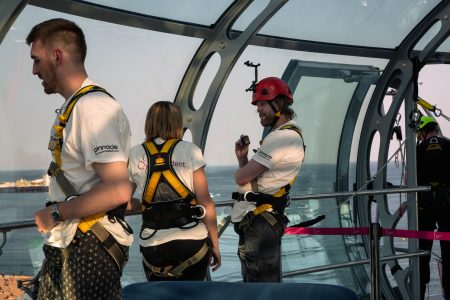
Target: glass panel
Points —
{"points": [[145, 68], [205, 80], [429, 35], [321, 105], [445, 47], [357, 22], [184, 10], [252, 11]]}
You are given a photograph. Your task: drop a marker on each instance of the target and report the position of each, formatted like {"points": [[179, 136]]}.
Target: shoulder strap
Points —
{"points": [[159, 165], [64, 118], [285, 189], [296, 129], [292, 127], [90, 222]]}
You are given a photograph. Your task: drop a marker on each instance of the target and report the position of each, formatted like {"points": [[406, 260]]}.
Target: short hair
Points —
{"points": [[164, 120], [60, 31]]}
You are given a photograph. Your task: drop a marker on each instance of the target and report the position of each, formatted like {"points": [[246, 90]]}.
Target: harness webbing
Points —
{"points": [[172, 271], [55, 169], [296, 129], [56, 145], [160, 168], [285, 189]]}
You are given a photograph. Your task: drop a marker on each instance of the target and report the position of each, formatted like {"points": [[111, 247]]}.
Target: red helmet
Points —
{"points": [[269, 88]]}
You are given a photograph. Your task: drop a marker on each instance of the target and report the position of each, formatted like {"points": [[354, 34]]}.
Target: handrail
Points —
{"points": [[373, 260], [363, 193], [4, 227], [352, 263], [28, 223], [345, 194]]}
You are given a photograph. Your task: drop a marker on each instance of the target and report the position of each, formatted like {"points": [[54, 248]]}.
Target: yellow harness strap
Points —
{"points": [[64, 118], [55, 145], [285, 189], [281, 192], [171, 271], [168, 174]]}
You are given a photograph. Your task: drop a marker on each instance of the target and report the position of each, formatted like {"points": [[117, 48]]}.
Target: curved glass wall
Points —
{"points": [[185, 11], [359, 22], [138, 66]]}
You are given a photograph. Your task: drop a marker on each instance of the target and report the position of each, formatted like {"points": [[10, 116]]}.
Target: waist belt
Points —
{"points": [[91, 222], [171, 271], [108, 243], [278, 203], [170, 214]]}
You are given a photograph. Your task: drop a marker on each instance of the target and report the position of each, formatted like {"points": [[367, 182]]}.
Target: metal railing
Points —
{"points": [[374, 237]]}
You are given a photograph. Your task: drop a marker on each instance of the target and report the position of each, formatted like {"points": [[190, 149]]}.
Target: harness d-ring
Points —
{"points": [[203, 209], [245, 195]]}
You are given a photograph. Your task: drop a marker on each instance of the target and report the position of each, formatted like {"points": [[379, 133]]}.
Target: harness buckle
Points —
{"points": [[203, 214], [245, 196]]}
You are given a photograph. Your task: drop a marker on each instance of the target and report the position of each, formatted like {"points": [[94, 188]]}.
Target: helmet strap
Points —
{"points": [[277, 113]]}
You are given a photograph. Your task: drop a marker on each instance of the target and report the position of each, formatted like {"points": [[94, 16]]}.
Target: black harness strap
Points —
{"points": [[167, 212]]}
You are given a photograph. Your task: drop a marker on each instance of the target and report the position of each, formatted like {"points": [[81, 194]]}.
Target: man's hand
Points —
{"points": [[44, 220], [241, 151]]}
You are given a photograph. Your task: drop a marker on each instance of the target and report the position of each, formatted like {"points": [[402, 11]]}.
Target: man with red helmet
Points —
{"points": [[264, 183]]}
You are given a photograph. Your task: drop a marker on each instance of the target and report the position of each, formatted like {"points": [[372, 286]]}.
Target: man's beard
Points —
{"points": [[50, 83], [266, 120]]}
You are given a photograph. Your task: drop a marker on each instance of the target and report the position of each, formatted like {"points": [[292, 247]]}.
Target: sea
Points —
{"points": [[21, 253]]}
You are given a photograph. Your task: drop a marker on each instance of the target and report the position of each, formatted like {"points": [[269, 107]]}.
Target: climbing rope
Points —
{"points": [[429, 107]]}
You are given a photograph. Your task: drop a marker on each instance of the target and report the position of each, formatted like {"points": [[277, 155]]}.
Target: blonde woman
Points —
{"points": [[179, 236]]}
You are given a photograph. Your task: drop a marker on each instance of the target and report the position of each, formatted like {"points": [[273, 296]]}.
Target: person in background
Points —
{"points": [[179, 236], [264, 182], [433, 169], [86, 238]]}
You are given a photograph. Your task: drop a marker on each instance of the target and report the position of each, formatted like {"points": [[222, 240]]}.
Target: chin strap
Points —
{"points": [[276, 115]]}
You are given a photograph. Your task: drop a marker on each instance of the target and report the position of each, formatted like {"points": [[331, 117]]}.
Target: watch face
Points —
{"points": [[56, 216]]}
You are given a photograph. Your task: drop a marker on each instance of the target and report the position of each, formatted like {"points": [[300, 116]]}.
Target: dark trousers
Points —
{"points": [[260, 246], [434, 208], [174, 253], [88, 272]]}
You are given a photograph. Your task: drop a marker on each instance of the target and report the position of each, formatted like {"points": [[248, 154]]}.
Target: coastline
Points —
{"points": [[26, 186], [23, 189]]}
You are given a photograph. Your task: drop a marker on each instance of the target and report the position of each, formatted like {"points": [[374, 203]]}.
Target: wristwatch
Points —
{"points": [[55, 214]]}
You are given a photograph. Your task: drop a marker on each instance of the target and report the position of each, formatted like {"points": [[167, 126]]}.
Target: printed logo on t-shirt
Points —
{"points": [[181, 164], [264, 155], [142, 163], [106, 148]]}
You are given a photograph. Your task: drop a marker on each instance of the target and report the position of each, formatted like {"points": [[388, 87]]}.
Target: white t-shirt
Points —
{"points": [[98, 131], [282, 152], [186, 158]]}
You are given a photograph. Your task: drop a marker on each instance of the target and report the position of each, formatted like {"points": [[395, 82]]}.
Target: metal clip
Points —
{"points": [[203, 209]]}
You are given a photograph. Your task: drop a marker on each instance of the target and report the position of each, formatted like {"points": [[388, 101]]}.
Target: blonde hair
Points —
{"points": [[164, 120]]}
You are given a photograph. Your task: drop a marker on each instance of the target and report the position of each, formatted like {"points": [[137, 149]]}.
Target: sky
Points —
{"points": [[145, 67]]}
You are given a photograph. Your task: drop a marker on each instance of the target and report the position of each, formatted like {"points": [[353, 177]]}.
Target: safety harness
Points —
{"points": [[55, 170], [277, 201], [168, 203], [177, 271]]}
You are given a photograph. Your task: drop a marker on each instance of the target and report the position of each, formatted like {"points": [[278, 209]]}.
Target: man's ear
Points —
{"points": [[57, 55]]}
